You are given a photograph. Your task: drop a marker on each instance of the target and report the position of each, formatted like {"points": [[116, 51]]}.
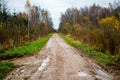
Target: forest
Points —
{"points": [[97, 26], [30, 45], [23, 27], [22, 33]]}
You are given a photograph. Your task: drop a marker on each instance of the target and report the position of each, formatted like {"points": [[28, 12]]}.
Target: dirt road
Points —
{"points": [[57, 61]]}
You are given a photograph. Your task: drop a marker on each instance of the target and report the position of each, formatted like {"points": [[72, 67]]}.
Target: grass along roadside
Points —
{"points": [[99, 56], [5, 68], [27, 49]]}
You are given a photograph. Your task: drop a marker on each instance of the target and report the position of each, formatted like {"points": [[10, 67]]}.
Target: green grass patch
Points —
{"points": [[27, 49], [5, 67], [98, 55]]}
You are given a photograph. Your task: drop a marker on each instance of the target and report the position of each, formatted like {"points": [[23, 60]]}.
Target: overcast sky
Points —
{"points": [[56, 7]]}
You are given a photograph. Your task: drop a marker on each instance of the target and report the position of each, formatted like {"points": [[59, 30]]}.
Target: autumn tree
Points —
{"points": [[116, 10], [16, 28], [95, 25]]}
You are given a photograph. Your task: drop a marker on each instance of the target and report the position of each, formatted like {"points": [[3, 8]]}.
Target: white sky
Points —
{"points": [[56, 7]]}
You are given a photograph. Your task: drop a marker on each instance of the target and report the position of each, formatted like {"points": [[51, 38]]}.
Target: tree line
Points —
{"points": [[23, 27], [95, 25]]}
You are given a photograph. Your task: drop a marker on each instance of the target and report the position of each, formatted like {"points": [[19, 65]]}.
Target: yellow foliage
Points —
{"points": [[86, 19], [77, 26], [112, 21], [67, 24]]}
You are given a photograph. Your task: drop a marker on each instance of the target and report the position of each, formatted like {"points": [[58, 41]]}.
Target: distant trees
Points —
{"points": [[96, 26], [116, 10], [39, 20], [86, 15], [17, 28]]}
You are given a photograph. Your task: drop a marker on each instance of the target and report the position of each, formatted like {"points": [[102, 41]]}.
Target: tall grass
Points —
{"points": [[5, 67], [27, 49], [90, 50]]}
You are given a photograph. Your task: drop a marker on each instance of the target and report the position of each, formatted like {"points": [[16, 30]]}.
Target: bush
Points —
{"points": [[27, 49]]}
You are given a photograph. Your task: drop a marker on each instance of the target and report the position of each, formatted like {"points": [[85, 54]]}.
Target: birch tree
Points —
{"points": [[28, 12]]}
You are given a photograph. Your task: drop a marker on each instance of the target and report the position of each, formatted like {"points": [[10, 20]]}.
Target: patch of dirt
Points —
{"points": [[58, 61]]}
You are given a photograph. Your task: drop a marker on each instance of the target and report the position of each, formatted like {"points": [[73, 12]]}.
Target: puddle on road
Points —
{"points": [[100, 75], [100, 72], [82, 74], [44, 64], [103, 75]]}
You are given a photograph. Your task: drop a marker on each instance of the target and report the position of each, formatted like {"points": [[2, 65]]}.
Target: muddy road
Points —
{"points": [[57, 61]]}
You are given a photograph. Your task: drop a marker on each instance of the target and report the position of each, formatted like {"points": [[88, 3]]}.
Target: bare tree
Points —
{"points": [[28, 11]]}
